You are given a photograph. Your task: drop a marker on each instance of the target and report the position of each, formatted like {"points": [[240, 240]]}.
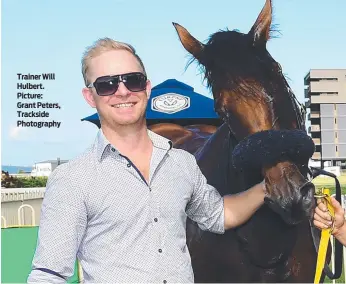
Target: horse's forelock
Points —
{"points": [[229, 58], [231, 63]]}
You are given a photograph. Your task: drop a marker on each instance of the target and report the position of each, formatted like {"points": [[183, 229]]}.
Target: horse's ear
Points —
{"points": [[191, 44], [260, 31]]}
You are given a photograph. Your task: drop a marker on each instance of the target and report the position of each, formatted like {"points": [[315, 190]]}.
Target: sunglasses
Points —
{"points": [[108, 85]]}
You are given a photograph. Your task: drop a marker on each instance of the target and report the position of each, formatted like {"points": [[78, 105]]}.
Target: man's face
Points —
{"points": [[124, 107]]}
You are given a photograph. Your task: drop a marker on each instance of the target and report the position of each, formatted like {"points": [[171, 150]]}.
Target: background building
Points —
{"points": [[325, 90], [45, 168]]}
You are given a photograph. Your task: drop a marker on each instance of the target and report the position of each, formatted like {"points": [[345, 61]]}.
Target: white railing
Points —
{"points": [[21, 194], [21, 214], [3, 222], [21, 206], [21, 218]]}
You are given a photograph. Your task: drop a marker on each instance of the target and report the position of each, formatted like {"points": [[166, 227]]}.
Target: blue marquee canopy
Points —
{"points": [[174, 101]]}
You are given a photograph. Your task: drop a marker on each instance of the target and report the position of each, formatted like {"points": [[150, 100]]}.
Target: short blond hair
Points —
{"points": [[103, 45]]}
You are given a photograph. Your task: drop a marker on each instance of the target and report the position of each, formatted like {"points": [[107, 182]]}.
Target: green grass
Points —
{"points": [[328, 182], [332, 188], [17, 250], [340, 280]]}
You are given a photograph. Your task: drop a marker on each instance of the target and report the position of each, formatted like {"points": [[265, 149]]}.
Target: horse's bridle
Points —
{"points": [[299, 108], [314, 172], [300, 113]]}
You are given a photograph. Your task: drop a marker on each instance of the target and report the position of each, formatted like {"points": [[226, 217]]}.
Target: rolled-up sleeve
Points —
{"points": [[62, 226], [206, 206]]}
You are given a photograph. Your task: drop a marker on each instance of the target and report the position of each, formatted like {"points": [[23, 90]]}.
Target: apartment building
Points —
{"points": [[325, 91]]}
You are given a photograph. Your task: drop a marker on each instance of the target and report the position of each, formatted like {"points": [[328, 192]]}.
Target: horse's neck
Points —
{"points": [[215, 161]]}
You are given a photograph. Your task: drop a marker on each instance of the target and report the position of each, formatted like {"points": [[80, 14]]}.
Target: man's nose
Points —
{"points": [[122, 90]]}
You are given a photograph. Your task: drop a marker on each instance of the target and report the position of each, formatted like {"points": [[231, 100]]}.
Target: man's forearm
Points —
{"points": [[341, 234], [38, 276], [63, 223], [240, 207]]}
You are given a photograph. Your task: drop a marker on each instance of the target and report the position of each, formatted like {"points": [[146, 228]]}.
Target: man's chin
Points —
{"points": [[130, 121], [115, 119]]}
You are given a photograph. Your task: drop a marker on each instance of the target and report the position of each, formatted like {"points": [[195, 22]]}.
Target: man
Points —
{"points": [[323, 220], [121, 206]]}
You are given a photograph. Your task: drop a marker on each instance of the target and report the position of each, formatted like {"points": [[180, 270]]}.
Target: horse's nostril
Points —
{"points": [[268, 201]]}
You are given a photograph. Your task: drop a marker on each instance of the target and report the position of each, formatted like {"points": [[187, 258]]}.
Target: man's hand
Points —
{"points": [[323, 220]]}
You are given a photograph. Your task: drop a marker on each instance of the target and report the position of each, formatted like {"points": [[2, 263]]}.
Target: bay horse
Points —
{"points": [[261, 118]]}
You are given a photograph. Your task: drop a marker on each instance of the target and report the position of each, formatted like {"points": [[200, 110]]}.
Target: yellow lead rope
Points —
{"points": [[325, 235]]}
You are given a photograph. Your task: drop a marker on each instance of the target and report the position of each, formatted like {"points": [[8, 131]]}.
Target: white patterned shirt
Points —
{"points": [[98, 208]]}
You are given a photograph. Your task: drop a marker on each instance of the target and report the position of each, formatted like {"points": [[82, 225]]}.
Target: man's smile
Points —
{"points": [[123, 105]]}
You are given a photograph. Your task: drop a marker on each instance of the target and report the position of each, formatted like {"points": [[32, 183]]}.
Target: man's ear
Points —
{"points": [[148, 89], [88, 96]]}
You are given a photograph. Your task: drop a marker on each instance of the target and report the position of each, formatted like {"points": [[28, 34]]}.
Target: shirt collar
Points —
{"points": [[102, 144], [160, 141]]}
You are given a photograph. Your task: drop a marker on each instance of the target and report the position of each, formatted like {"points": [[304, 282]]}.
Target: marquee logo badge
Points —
{"points": [[170, 103]]}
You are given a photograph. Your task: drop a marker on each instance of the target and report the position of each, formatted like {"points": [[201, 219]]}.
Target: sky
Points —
{"points": [[50, 37]]}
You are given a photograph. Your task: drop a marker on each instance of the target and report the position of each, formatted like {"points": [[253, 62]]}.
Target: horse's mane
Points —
{"points": [[225, 39]]}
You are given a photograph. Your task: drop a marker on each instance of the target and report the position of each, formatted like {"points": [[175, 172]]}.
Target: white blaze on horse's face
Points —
{"points": [[123, 107]]}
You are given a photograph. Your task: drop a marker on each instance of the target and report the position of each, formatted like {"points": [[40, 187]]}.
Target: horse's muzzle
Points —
{"points": [[294, 208]]}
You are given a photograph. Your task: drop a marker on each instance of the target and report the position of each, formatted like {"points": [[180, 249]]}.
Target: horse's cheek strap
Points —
{"points": [[269, 147]]}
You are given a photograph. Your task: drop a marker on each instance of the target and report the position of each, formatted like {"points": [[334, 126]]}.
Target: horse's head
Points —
{"points": [[252, 96]]}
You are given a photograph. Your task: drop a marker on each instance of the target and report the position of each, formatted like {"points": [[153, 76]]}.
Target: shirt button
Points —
{"points": [[164, 281], [113, 150], [160, 250], [155, 219], [128, 165]]}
